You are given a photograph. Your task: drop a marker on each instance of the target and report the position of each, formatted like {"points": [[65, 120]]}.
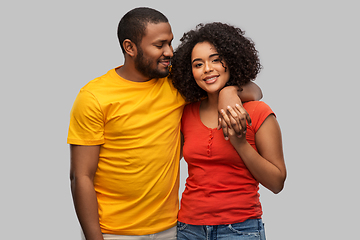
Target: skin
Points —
{"points": [[227, 103], [213, 81], [155, 49], [83, 165], [208, 71], [210, 74], [268, 165]]}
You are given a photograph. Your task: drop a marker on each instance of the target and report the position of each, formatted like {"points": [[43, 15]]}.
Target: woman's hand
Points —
{"points": [[228, 100], [237, 115]]}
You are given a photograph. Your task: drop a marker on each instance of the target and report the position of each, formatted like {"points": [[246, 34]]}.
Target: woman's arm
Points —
{"points": [[181, 147], [230, 96], [267, 165]]}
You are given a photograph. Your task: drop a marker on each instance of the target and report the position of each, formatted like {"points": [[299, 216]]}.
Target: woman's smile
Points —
{"points": [[208, 69], [211, 79]]}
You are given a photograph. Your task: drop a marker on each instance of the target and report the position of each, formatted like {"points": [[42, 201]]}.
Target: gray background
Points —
{"points": [[310, 53]]}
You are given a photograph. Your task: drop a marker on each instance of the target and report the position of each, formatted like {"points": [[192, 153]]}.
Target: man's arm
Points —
{"points": [[250, 92], [84, 162], [230, 96]]}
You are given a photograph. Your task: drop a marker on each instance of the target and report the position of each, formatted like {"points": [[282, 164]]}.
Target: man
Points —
{"points": [[124, 138]]}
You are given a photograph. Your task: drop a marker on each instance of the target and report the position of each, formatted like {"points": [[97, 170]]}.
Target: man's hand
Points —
{"points": [[230, 107], [234, 119]]}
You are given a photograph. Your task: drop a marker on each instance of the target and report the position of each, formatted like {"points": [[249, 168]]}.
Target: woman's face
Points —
{"points": [[208, 71]]}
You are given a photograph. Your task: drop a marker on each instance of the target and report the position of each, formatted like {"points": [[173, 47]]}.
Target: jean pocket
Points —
{"points": [[181, 226], [246, 232]]}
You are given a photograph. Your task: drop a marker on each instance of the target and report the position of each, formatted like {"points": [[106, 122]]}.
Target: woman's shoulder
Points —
{"points": [[256, 106], [258, 112]]}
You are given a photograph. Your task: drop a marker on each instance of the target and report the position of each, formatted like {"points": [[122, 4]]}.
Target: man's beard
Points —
{"points": [[144, 67]]}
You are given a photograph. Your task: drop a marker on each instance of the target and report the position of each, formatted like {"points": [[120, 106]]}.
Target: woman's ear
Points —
{"points": [[130, 47]]}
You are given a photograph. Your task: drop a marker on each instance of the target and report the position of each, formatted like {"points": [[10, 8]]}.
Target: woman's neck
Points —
{"points": [[212, 101], [209, 111]]}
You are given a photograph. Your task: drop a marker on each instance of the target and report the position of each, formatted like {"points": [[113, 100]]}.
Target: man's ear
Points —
{"points": [[130, 47]]}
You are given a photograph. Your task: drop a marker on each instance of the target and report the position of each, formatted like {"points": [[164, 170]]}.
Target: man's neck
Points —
{"points": [[131, 74]]}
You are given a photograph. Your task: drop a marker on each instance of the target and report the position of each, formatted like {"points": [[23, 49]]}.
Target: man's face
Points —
{"points": [[155, 51]]}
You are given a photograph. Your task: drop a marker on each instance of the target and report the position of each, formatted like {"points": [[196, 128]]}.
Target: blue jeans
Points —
{"points": [[251, 229]]}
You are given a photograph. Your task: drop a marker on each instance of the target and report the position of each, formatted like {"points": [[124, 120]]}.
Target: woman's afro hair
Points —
{"points": [[237, 51]]}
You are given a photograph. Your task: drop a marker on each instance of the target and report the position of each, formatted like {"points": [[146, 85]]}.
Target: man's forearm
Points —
{"points": [[250, 92], [86, 207], [231, 96]]}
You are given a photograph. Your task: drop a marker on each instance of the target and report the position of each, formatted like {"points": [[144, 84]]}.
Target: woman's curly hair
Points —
{"points": [[237, 51]]}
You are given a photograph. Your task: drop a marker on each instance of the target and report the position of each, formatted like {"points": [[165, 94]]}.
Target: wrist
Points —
{"points": [[239, 143]]}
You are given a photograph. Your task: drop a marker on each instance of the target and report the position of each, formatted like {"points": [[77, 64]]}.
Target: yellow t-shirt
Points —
{"points": [[138, 128]]}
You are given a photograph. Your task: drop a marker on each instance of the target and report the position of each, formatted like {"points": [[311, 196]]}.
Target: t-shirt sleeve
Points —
{"points": [[259, 112], [86, 121]]}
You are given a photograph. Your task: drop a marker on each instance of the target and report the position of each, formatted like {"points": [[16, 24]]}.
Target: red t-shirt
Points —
{"points": [[220, 189]]}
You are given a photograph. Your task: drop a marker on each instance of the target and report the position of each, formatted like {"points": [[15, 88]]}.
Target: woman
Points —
{"points": [[221, 199]]}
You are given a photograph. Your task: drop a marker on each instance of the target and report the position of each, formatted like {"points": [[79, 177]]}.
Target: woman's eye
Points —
{"points": [[198, 65], [216, 60]]}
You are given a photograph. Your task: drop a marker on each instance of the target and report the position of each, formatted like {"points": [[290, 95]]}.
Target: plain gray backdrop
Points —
{"points": [[310, 54]]}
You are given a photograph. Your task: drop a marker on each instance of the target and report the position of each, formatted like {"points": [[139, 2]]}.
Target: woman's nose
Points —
{"points": [[208, 67]]}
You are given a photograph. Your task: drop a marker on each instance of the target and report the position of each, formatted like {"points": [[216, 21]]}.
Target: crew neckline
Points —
{"points": [[116, 76]]}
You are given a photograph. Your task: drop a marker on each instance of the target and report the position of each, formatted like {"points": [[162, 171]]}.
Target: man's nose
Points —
{"points": [[168, 51]]}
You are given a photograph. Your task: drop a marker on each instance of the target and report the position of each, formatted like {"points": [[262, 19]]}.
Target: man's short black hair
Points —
{"points": [[133, 24]]}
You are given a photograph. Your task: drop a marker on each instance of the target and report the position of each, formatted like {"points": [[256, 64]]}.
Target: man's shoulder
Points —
{"points": [[99, 82]]}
